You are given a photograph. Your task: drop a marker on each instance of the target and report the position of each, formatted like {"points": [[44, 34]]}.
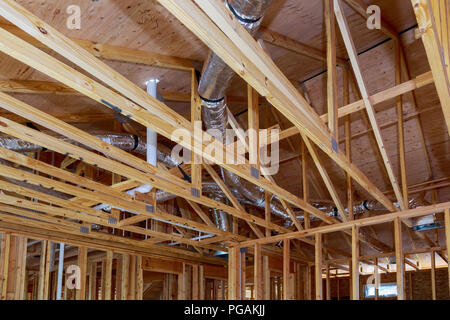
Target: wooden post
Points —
{"points": [[201, 282], [119, 263], [21, 244], [399, 258], [328, 283], [266, 272], [4, 264], [93, 281], [108, 275], [182, 283], [234, 273], [377, 283], [286, 269], [447, 237], [243, 276], [132, 278], [355, 263], [124, 276], [140, 279], [195, 284], [308, 283], [433, 275], [82, 264], [318, 260], [258, 273]]}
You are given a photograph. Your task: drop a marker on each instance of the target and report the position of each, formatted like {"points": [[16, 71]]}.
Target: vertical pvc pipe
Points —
{"points": [[60, 271], [152, 135]]}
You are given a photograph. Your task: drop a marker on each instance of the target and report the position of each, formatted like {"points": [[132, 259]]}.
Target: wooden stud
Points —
{"points": [[447, 238], [355, 263], [140, 279], [258, 273], [318, 267], [124, 275], [4, 264], [430, 31], [82, 264], [286, 269], [108, 275], [399, 258], [433, 275]]}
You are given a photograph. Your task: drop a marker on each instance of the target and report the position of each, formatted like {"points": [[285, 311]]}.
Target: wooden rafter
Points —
{"points": [[267, 75], [345, 31]]}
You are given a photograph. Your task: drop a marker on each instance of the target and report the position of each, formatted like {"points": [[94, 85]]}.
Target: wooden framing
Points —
{"points": [[433, 18], [399, 258], [345, 31], [318, 267], [355, 263], [193, 239]]}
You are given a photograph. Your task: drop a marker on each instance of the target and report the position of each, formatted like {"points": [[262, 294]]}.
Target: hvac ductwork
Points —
{"points": [[216, 77], [125, 141]]}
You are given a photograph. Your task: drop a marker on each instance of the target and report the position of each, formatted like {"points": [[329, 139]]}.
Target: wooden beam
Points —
{"points": [[399, 258], [166, 128], [361, 8], [332, 90], [365, 222], [430, 30], [116, 53], [349, 44], [382, 96], [237, 48], [281, 41], [318, 267], [348, 142], [355, 263]]}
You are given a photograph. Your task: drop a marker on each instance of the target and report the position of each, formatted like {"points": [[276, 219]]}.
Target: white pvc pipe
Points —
{"points": [[151, 135], [60, 271]]}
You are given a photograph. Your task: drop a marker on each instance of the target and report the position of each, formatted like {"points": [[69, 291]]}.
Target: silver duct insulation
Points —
{"points": [[125, 141], [216, 78]]}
